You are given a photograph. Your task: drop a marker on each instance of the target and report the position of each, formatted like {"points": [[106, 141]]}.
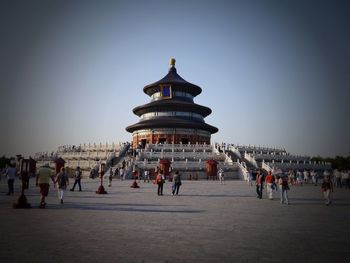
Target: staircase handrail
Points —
{"points": [[235, 150], [243, 169], [266, 166], [250, 158]]}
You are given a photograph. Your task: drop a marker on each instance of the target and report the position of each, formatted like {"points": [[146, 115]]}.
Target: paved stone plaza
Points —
{"points": [[208, 222]]}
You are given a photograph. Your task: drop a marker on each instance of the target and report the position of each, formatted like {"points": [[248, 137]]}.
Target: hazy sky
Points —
{"points": [[274, 73]]}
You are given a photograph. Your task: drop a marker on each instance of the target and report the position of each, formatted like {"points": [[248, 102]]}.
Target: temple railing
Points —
{"points": [[170, 147], [235, 150], [250, 159], [181, 155], [284, 158], [185, 165], [108, 147], [243, 170], [251, 148], [266, 167], [301, 166]]}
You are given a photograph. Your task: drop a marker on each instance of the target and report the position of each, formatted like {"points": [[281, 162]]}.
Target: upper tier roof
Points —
{"points": [[177, 82]]}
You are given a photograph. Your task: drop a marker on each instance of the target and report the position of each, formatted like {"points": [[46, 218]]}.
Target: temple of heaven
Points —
{"points": [[171, 116]]}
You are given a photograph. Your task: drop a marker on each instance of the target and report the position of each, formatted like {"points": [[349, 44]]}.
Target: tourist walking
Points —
{"points": [[92, 173], [146, 176], [291, 177], [300, 178], [344, 178], [259, 184], [31, 171], [337, 177], [284, 187], [121, 173], [327, 187], [11, 175], [313, 175], [221, 176], [43, 181], [176, 183], [110, 178], [347, 181], [160, 180], [269, 180], [306, 176], [61, 181], [116, 172], [77, 179], [250, 178]]}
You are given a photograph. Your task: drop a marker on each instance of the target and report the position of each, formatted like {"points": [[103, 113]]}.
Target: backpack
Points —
{"points": [[78, 175], [62, 180], [285, 185]]}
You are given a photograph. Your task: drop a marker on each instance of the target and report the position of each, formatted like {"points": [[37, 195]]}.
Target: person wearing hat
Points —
{"points": [[43, 181], [77, 177]]}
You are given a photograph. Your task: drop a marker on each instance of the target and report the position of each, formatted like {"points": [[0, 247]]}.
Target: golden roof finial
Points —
{"points": [[172, 62]]}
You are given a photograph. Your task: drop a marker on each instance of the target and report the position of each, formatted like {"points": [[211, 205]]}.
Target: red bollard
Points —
{"points": [[101, 189], [24, 172]]}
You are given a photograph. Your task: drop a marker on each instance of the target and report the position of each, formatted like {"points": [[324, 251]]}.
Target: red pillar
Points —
{"points": [[212, 169], [164, 164], [24, 172]]}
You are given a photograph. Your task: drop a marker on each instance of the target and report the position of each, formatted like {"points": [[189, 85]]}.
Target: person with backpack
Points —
{"points": [[176, 183], [284, 187], [77, 177], [61, 181]]}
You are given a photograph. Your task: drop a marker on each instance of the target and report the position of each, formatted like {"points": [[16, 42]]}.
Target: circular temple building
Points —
{"points": [[171, 116]]}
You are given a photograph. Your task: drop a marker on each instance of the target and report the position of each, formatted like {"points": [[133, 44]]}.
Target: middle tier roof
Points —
{"points": [[172, 105]]}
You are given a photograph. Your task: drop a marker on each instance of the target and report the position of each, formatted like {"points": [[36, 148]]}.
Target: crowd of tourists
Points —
{"points": [[281, 182], [274, 182]]}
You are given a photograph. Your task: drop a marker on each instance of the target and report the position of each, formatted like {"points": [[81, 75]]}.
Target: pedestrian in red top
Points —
{"points": [[269, 181]]}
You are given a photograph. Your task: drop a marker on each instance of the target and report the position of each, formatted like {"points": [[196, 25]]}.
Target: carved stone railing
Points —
{"points": [[235, 150], [250, 158]]}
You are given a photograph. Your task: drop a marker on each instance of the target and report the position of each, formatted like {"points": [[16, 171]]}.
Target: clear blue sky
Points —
{"points": [[274, 73]]}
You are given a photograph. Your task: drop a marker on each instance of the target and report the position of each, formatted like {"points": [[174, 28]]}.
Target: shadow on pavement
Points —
{"points": [[121, 207]]}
